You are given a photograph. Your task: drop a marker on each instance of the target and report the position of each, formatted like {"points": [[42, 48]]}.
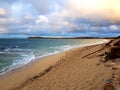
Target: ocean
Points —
{"points": [[15, 53]]}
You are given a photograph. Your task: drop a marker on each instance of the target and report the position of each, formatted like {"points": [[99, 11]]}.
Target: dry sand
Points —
{"points": [[64, 71]]}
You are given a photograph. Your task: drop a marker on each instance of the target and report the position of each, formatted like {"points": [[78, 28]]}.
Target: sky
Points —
{"points": [[23, 18]]}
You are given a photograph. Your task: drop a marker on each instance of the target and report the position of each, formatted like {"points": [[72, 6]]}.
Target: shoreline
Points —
{"points": [[52, 53], [34, 68]]}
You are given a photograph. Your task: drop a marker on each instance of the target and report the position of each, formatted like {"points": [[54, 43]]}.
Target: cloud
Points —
{"points": [[60, 17], [43, 6], [3, 12], [3, 29], [95, 9], [42, 19], [114, 28], [3, 21], [28, 17]]}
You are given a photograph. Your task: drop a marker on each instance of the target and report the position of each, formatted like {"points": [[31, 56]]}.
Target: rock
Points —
{"points": [[114, 77], [108, 85], [98, 64], [115, 67], [110, 64]]}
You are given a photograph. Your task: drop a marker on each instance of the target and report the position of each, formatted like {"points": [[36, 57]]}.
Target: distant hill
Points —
{"points": [[34, 37], [70, 37]]}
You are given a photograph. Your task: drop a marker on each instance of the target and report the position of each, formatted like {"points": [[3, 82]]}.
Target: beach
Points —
{"points": [[59, 45], [73, 69]]}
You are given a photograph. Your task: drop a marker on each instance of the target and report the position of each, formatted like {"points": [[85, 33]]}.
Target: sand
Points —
{"points": [[68, 70], [18, 76]]}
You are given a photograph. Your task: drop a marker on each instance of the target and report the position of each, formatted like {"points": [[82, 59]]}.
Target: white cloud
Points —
{"points": [[3, 29], [95, 9], [3, 21], [114, 28], [42, 19], [2, 12]]}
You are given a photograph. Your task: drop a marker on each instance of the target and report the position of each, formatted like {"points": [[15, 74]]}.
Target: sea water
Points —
{"points": [[15, 53]]}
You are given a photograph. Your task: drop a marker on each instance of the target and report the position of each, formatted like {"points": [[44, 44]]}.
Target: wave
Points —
{"points": [[26, 55], [20, 58]]}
